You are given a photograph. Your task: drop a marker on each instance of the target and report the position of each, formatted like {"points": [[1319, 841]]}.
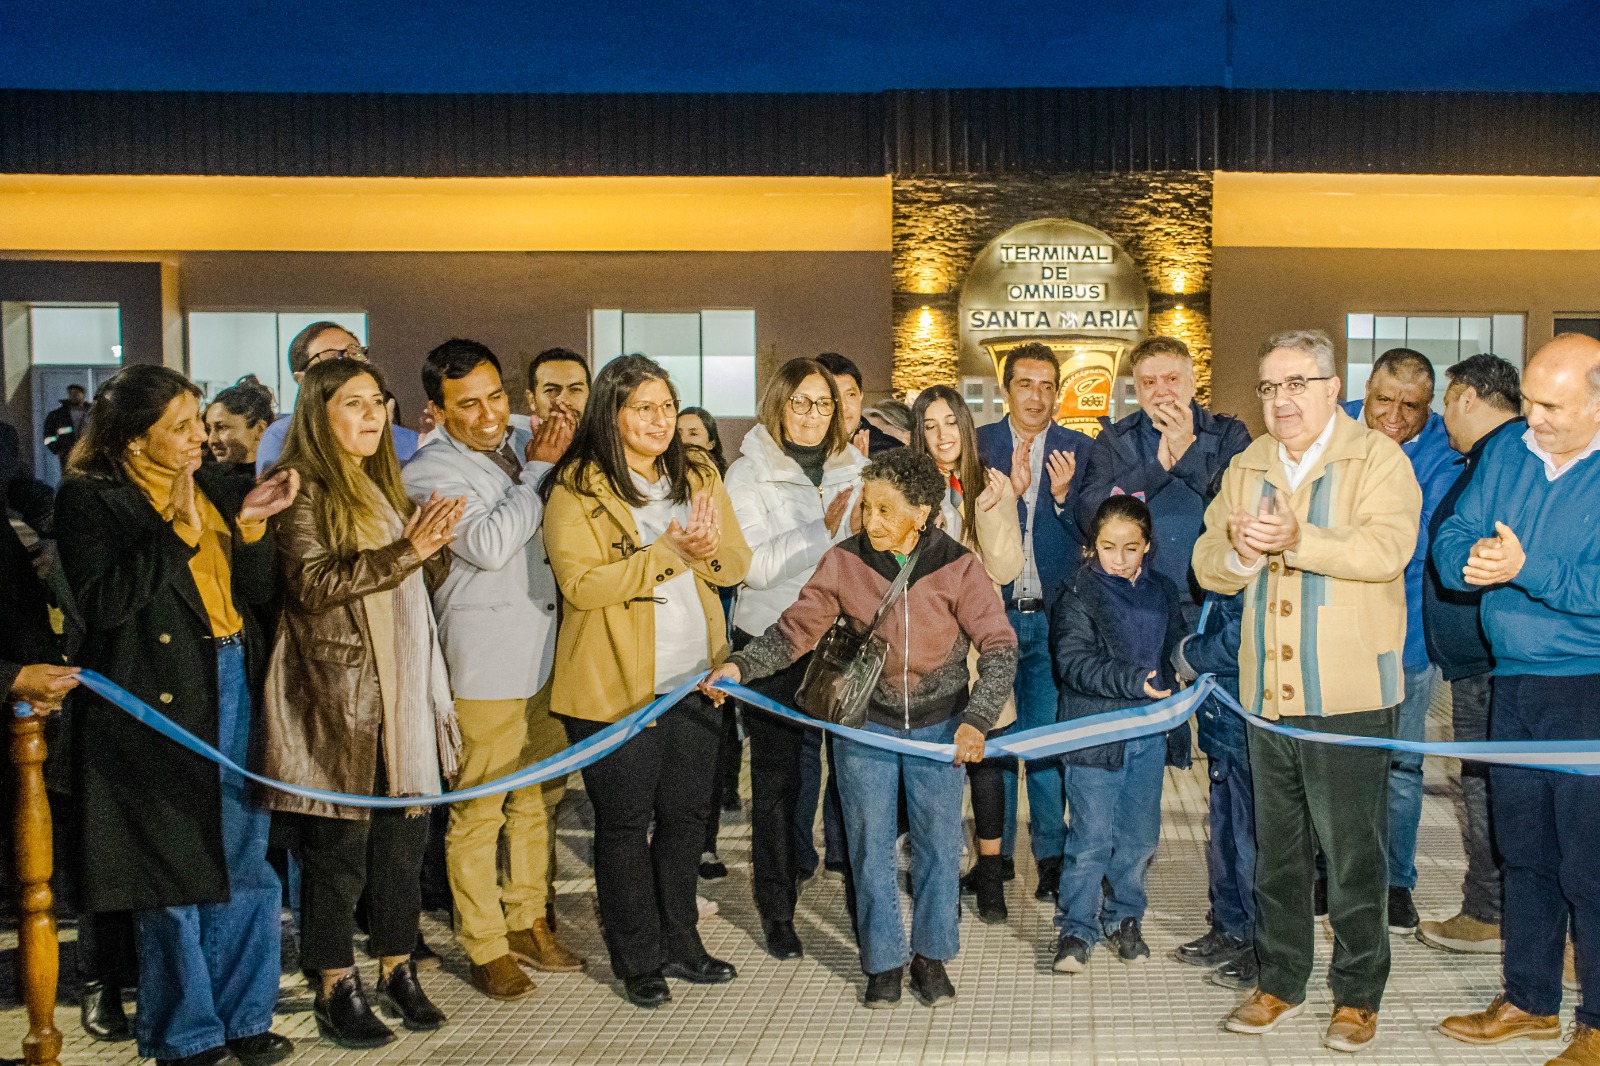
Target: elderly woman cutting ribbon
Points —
{"points": [[922, 694]]}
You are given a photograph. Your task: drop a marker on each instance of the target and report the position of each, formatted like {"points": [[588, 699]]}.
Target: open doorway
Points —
{"points": [[72, 349]]}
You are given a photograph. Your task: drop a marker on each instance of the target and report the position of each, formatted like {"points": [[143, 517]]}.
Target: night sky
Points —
{"points": [[854, 45]]}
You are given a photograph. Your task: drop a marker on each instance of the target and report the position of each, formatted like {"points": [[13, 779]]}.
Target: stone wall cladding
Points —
{"points": [[1162, 220]]}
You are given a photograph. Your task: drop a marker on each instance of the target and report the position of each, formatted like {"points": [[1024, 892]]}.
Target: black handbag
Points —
{"points": [[847, 661]]}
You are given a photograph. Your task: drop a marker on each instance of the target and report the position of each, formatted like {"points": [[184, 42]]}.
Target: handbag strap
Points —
{"points": [[896, 587]]}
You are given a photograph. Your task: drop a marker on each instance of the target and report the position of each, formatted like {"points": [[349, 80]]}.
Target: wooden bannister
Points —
{"points": [[38, 950]]}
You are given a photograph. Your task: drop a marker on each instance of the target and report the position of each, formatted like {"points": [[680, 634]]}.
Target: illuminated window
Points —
{"points": [[1444, 339], [710, 355], [224, 346], [75, 334]]}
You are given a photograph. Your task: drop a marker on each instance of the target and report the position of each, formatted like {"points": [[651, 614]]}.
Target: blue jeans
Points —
{"points": [[209, 973], [1405, 777], [1036, 706], [1112, 834], [869, 786]]}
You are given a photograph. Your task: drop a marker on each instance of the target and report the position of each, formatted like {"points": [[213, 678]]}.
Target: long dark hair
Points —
{"points": [[312, 449], [968, 468], [1129, 509], [124, 410], [710, 422], [597, 444]]}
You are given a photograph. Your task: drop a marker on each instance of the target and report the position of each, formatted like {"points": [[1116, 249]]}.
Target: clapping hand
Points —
{"points": [[271, 496], [1062, 465], [550, 442], [862, 440], [433, 525], [1021, 469], [185, 508], [994, 489], [1495, 560], [837, 508], [701, 538], [1276, 529], [1175, 423]]}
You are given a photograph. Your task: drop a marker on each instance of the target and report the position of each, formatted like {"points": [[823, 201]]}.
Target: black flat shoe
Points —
{"points": [[648, 990], [883, 989], [402, 994], [703, 971], [263, 1049], [1049, 880], [101, 1013], [217, 1056], [782, 941], [929, 982], [345, 1017]]}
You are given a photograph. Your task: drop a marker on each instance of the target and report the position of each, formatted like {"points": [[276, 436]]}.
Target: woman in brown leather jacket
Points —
{"points": [[357, 696]]}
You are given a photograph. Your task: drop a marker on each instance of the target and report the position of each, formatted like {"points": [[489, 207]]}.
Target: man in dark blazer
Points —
{"points": [[1042, 460]]}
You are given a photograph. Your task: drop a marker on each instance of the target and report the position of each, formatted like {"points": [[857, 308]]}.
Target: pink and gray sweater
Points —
{"points": [[950, 605]]}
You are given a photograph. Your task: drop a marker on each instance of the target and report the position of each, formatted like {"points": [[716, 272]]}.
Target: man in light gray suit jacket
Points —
{"points": [[497, 624]]}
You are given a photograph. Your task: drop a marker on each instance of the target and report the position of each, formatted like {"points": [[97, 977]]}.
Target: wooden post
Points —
{"points": [[38, 950]]}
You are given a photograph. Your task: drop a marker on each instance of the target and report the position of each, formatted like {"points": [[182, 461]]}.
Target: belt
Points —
{"points": [[232, 638], [1033, 605]]}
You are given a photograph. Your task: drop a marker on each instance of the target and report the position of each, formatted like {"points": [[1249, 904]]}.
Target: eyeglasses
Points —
{"points": [[650, 412], [355, 351], [804, 405], [1290, 386]]}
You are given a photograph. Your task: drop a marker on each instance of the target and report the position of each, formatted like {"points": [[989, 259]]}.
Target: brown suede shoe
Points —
{"points": [[539, 948], [1352, 1029], [1584, 1049], [502, 978], [1501, 1022], [1261, 1013]]}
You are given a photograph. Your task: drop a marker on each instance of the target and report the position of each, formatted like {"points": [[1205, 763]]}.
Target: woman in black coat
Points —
{"points": [[164, 565]]}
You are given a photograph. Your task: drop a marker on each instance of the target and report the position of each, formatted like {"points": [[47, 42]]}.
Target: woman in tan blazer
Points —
{"points": [[640, 535]]}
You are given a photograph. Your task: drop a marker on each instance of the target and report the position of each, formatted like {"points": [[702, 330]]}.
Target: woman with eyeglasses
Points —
{"points": [[796, 493], [979, 512], [641, 534]]}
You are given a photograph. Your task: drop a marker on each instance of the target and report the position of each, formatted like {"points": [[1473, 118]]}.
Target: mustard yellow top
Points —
{"points": [[209, 566]]}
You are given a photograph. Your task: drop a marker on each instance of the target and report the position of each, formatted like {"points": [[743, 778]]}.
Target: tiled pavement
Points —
{"points": [[1010, 1008]]}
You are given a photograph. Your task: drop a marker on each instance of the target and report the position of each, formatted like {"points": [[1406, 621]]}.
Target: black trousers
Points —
{"points": [[730, 753], [662, 779], [1308, 793], [776, 746], [1547, 826], [339, 857]]}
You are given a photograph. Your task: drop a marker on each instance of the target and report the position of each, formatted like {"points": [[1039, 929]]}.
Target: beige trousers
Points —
{"points": [[499, 737]]}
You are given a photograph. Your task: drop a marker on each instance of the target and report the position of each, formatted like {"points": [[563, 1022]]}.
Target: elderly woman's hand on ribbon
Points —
{"points": [[725, 672], [969, 744]]}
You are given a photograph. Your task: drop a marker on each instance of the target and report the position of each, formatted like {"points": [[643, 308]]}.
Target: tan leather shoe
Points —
{"points": [[1261, 1013], [1584, 1049], [1462, 934], [502, 978], [539, 948], [1352, 1029], [1501, 1022]]}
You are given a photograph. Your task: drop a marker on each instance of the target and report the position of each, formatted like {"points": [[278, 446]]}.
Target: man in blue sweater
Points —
{"points": [[1524, 530], [1398, 405], [1483, 401], [1042, 460]]}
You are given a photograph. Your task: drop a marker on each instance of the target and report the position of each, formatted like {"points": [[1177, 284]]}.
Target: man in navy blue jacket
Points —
{"points": [[1524, 531], [1482, 402], [1170, 453], [1041, 458], [1398, 404]]}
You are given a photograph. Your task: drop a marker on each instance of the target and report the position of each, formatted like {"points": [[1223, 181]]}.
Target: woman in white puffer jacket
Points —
{"points": [[795, 492]]}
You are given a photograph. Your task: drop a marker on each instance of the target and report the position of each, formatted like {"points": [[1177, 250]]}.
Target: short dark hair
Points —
{"points": [[1153, 346], [454, 359], [915, 474], [251, 401], [840, 366], [558, 355], [77, 387], [1492, 378], [1404, 363], [300, 347], [1034, 350]]}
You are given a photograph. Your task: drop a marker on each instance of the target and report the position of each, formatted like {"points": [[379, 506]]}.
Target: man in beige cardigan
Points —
{"points": [[1316, 522]]}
